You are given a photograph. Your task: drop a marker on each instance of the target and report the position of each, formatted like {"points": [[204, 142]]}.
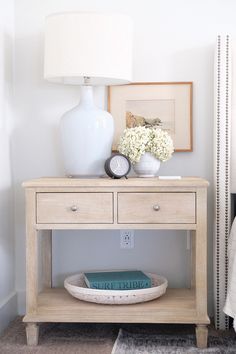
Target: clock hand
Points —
{"points": [[117, 166]]}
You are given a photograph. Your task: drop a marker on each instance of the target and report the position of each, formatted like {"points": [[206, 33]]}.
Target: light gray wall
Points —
{"points": [[8, 308], [174, 41]]}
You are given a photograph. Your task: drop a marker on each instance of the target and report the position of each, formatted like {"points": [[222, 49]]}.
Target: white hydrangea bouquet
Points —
{"points": [[136, 141]]}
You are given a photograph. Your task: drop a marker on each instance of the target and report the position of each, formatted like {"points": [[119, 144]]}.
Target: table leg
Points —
{"points": [[31, 267], [32, 333], [201, 336], [31, 255], [47, 258], [193, 259]]}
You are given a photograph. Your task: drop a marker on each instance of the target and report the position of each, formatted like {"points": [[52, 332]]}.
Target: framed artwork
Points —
{"points": [[167, 105]]}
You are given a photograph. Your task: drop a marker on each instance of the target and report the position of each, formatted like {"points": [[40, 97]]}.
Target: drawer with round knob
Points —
{"points": [[156, 208], [81, 208]]}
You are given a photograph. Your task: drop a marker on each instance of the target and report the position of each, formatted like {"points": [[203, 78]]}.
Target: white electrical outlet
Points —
{"points": [[127, 239]]}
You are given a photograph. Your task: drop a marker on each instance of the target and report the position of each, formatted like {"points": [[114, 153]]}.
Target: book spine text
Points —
{"points": [[121, 285]]}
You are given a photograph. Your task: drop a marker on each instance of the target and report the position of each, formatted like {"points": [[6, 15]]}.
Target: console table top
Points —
{"points": [[109, 182]]}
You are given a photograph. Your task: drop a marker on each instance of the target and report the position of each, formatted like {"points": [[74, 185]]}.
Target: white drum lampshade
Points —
{"points": [[87, 49]]}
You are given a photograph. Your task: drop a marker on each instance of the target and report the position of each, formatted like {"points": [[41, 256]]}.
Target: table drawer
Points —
{"points": [[156, 208], [81, 208]]}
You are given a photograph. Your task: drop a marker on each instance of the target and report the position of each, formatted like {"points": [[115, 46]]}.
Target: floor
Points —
{"points": [[79, 338]]}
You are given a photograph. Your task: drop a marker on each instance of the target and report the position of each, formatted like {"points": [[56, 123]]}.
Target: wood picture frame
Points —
{"points": [[164, 104]]}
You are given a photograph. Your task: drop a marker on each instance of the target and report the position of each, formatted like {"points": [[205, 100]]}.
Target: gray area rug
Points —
{"points": [[151, 343]]}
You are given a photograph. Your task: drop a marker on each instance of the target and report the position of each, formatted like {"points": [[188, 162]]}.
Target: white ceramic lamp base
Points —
{"points": [[86, 135]]}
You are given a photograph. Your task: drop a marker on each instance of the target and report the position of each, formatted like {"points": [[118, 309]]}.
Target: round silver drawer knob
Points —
{"points": [[74, 208], [156, 207]]}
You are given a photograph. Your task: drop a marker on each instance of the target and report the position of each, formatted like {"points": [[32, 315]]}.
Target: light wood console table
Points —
{"points": [[135, 203]]}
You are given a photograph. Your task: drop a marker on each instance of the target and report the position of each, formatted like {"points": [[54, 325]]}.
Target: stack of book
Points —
{"points": [[117, 280]]}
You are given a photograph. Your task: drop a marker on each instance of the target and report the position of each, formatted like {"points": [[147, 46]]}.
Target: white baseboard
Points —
{"points": [[8, 310], [21, 302]]}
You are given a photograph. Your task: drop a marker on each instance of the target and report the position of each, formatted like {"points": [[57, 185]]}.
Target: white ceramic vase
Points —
{"points": [[147, 166]]}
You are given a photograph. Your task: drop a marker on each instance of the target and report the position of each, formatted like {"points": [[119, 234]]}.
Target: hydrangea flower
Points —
{"points": [[136, 141]]}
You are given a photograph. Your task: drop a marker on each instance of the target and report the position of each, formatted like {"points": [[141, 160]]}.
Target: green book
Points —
{"points": [[118, 280]]}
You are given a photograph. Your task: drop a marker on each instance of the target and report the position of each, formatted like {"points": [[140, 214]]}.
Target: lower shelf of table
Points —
{"points": [[176, 306]]}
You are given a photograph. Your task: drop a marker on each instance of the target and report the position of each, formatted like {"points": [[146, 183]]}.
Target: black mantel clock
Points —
{"points": [[117, 166]]}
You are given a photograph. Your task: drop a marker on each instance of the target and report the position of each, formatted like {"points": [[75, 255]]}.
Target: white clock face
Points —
{"points": [[119, 165]]}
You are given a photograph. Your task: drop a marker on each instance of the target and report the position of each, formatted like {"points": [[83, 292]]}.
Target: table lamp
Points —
{"points": [[87, 49]]}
